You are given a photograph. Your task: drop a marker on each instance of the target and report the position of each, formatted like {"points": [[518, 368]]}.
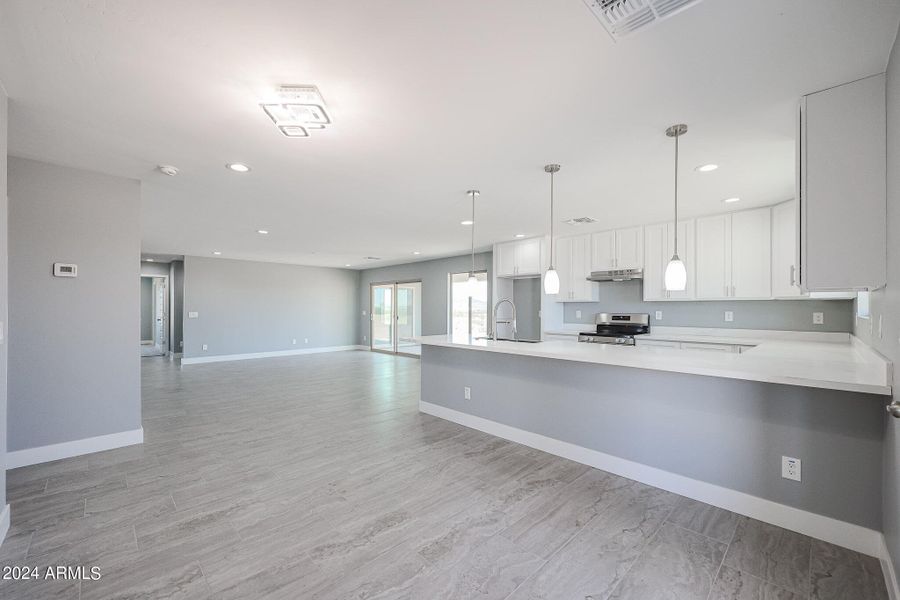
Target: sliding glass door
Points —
{"points": [[396, 317]]}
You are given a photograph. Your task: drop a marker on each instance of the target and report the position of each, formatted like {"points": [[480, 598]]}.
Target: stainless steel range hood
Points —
{"points": [[617, 275]]}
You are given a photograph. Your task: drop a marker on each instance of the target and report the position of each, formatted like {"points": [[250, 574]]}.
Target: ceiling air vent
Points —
{"points": [[581, 221], [371, 258], [622, 17]]}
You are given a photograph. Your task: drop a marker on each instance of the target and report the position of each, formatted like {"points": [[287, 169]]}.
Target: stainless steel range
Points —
{"points": [[616, 328]]}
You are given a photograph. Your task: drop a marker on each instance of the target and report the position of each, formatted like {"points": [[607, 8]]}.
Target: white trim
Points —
{"points": [[848, 535], [4, 523], [41, 454], [890, 575], [196, 360]]}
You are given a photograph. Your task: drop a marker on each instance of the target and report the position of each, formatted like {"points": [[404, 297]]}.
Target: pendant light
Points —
{"points": [[472, 282], [676, 274], [551, 277]]}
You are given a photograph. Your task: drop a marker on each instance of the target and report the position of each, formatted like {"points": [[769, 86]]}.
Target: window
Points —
{"points": [[862, 305], [468, 308]]}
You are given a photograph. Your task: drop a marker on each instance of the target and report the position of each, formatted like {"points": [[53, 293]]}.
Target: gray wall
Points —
{"points": [[723, 431], [146, 308], [434, 275], [527, 296], [885, 304], [4, 289], [246, 307], [74, 367], [178, 309], [795, 315]]}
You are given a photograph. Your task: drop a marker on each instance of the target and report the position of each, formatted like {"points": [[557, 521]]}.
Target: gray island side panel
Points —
{"points": [[727, 432]]}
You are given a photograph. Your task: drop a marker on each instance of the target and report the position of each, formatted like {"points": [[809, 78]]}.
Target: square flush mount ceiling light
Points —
{"points": [[296, 109]]}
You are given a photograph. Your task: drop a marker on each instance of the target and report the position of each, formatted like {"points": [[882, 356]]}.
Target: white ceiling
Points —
{"points": [[428, 100]]}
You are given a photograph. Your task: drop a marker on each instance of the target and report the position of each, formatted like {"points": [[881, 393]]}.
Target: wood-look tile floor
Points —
{"points": [[316, 477]]}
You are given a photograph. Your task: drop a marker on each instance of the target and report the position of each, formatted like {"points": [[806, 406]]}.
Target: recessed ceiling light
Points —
{"points": [[168, 170], [466, 222], [347, 265], [731, 200], [296, 109], [216, 252], [706, 168], [520, 235], [149, 260], [262, 231], [238, 167], [416, 252]]}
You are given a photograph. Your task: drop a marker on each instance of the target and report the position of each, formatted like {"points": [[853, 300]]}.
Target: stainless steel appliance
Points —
{"points": [[616, 328], [616, 275]]}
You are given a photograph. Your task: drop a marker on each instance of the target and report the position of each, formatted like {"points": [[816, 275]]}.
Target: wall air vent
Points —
{"points": [[623, 17], [580, 221], [372, 257]]}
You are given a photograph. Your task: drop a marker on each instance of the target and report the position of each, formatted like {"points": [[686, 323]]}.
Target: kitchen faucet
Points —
{"points": [[507, 321]]}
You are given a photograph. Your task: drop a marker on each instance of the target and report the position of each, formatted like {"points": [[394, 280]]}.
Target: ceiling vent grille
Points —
{"points": [[623, 17], [581, 221]]}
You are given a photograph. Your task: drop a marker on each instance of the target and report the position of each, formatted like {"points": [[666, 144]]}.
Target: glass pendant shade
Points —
{"points": [[676, 275], [551, 281]]}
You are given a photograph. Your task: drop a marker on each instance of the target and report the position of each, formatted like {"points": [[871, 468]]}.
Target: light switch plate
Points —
{"points": [[659, 315], [205, 347], [729, 316], [818, 318], [193, 314], [577, 314]]}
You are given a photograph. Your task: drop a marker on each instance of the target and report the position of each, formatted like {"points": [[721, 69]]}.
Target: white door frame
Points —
{"points": [[166, 314], [394, 315]]}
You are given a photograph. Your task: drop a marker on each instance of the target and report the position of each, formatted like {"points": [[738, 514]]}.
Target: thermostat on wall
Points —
{"points": [[65, 270]]}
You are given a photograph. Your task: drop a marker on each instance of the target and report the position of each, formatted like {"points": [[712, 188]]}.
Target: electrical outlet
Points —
{"points": [[205, 347], [364, 313], [193, 314], [577, 314], [818, 318], [305, 340], [729, 316], [364, 338], [659, 315], [294, 341], [467, 393], [790, 468]]}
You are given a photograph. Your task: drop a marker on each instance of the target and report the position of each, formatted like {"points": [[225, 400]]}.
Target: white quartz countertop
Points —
{"points": [[846, 364]]}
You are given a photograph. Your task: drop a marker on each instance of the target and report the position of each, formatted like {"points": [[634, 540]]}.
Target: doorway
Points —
{"points": [[395, 317], [154, 315]]}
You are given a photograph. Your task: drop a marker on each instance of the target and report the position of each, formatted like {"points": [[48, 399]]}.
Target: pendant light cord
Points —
{"points": [[677, 135], [473, 233], [551, 219]]}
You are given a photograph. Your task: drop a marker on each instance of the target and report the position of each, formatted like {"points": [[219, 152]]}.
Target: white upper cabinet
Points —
{"points": [[713, 257], [784, 250], [734, 255], [659, 245], [519, 259], [842, 187], [617, 249], [630, 248], [603, 253], [573, 263], [751, 247]]}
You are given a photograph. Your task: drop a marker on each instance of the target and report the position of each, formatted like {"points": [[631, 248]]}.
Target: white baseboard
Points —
{"points": [[890, 575], [42, 454], [4, 523], [848, 535], [197, 360]]}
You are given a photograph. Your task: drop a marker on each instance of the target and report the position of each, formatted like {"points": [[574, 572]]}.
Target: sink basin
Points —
{"points": [[510, 340]]}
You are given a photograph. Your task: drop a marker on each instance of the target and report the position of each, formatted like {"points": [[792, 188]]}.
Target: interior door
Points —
{"points": [[381, 336]]}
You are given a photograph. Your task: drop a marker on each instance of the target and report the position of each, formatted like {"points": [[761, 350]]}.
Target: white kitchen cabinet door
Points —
{"points": [[528, 257], [785, 282], [751, 254], [603, 251], [843, 201], [506, 259], [629, 248], [582, 289], [562, 259], [654, 262], [687, 255], [713, 247]]}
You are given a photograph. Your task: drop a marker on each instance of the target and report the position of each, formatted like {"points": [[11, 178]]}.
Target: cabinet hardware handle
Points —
{"points": [[894, 409], [792, 275]]}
